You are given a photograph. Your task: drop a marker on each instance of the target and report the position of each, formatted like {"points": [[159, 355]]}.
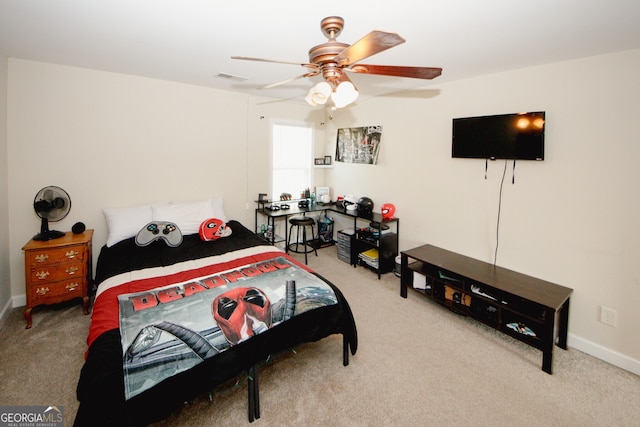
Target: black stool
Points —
{"points": [[301, 222]]}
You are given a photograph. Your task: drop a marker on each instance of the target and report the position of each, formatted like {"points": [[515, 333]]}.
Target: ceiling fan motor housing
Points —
{"points": [[324, 54]]}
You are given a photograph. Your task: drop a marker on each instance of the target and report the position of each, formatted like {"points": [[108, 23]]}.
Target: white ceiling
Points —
{"points": [[191, 41]]}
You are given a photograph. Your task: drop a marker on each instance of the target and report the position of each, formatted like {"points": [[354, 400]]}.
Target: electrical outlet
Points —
{"points": [[608, 316]]}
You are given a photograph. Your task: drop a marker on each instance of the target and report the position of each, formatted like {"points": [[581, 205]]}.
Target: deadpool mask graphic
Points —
{"points": [[242, 313]]}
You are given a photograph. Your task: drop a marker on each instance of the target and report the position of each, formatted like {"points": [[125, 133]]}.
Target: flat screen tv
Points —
{"points": [[505, 136]]}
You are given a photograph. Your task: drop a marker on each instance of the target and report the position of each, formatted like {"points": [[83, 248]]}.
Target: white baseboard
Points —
{"points": [[19, 301], [13, 302], [596, 350], [4, 313]]}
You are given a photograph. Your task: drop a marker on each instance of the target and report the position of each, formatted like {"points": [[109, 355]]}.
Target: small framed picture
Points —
{"points": [[321, 191], [327, 160], [319, 161]]}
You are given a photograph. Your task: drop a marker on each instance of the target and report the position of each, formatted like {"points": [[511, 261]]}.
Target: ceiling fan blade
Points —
{"points": [[397, 71], [249, 58], [372, 43], [301, 76]]}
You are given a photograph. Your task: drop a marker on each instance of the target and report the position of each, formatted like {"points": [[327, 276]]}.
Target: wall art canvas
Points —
{"points": [[359, 145]]}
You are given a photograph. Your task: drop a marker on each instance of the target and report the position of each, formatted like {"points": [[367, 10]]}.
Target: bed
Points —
{"points": [[164, 327]]}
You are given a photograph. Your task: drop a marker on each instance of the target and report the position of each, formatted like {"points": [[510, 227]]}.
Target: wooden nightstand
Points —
{"points": [[58, 270]]}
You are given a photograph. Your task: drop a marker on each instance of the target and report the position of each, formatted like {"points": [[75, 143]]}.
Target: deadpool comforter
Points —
{"points": [[169, 324]]}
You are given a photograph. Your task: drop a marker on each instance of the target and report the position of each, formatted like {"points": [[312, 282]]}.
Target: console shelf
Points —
{"points": [[530, 310]]}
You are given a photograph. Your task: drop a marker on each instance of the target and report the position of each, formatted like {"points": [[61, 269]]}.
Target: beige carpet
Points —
{"points": [[417, 364]]}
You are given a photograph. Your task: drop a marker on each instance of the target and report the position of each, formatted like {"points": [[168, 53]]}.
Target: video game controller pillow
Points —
{"points": [[213, 229], [159, 230]]}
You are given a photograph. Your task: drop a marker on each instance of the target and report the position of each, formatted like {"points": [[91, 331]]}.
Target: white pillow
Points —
{"points": [[189, 215], [123, 223], [217, 203]]}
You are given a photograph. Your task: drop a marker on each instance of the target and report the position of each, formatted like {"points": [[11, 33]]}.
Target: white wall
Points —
{"points": [[571, 219], [116, 140], [5, 287]]}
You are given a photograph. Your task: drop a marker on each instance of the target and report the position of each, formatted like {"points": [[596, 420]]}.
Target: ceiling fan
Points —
{"points": [[333, 60]]}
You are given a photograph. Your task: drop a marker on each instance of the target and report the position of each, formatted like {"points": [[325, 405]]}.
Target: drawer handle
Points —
{"points": [[42, 291], [71, 254], [72, 286], [42, 274], [42, 258], [72, 270]]}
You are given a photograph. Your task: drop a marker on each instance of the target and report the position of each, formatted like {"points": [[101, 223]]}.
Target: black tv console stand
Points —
{"points": [[531, 310]]}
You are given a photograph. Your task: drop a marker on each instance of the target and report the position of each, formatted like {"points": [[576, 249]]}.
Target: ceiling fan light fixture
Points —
{"points": [[344, 94], [309, 98], [319, 94]]}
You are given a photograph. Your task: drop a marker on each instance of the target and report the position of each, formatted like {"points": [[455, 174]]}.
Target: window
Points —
{"points": [[291, 159]]}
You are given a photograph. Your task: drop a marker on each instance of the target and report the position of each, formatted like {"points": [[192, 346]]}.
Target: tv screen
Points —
{"points": [[505, 136]]}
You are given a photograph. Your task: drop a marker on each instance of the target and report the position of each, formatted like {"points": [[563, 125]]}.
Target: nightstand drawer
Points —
{"points": [[55, 256], [47, 293], [53, 273]]}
